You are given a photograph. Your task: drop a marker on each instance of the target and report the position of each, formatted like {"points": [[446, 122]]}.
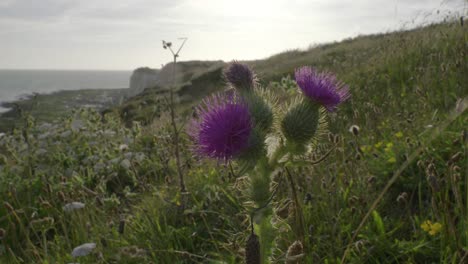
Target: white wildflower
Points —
{"points": [[41, 151], [123, 147], [43, 136], [125, 164], [140, 157], [77, 125], [128, 155], [83, 250], [114, 161], [45, 126], [109, 133], [66, 134], [99, 166], [73, 206]]}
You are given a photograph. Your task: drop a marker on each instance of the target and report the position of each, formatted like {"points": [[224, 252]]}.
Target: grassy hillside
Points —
{"points": [[409, 99]]}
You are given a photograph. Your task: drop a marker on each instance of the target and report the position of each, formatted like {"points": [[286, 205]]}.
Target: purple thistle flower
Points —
{"points": [[240, 75], [223, 128], [321, 87]]}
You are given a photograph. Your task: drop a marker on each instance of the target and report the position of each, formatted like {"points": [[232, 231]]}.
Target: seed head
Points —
{"points": [[295, 253], [354, 129], [402, 198]]}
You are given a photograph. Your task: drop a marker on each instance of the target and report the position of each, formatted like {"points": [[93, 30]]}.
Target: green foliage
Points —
{"points": [[404, 85]]}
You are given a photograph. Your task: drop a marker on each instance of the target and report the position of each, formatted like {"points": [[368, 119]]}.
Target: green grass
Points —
{"points": [[404, 86]]}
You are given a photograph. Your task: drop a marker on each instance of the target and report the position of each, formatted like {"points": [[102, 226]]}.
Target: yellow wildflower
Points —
{"points": [[378, 144], [399, 134], [426, 225], [435, 228], [388, 147], [431, 228], [391, 160], [365, 148]]}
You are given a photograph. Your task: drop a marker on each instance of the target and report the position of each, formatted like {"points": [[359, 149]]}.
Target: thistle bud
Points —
{"points": [[240, 76], [300, 123], [252, 250], [260, 111], [295, 253]]}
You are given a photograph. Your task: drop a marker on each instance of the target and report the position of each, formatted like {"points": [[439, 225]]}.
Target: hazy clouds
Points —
{"points": [[124, 34]]}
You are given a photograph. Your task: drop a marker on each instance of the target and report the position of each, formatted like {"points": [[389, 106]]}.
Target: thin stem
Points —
{"points": [[176, 131], [299, 215]]}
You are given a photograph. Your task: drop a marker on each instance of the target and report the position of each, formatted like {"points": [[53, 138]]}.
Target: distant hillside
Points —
{"points": [[356, 61], [145, 77]]}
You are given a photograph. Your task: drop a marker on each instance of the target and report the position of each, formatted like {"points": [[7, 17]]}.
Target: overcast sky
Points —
{"points": [[126, 34]]}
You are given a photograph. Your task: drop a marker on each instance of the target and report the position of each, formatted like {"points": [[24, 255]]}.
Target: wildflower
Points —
{"points": [[399, 134], [391, 160], [431, 228], [378, 144], [123, 147], [125, 164], [322, 88], [426, 225], [73, 206], [83, 250], [224, 127], [240, 76], [77, 125], [388, 147], [366, 148], [435, 228]]}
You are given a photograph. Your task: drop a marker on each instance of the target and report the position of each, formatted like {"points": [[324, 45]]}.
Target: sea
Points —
{"points": [[17, 84]]}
